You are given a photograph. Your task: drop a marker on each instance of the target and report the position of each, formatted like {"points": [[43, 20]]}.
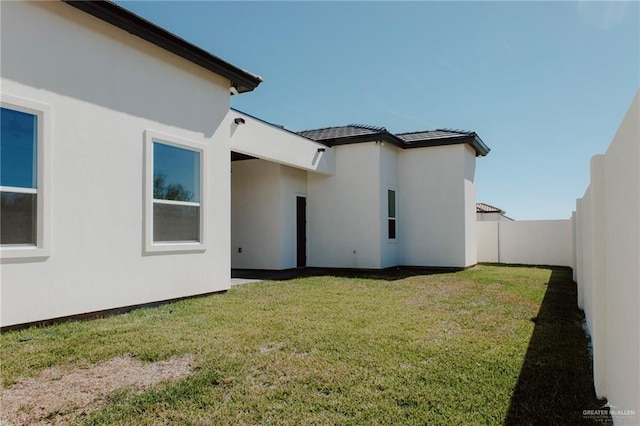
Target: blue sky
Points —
{"points": [[544, 84]]}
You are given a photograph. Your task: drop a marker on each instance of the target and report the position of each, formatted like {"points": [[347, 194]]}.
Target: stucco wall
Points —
{"points": [[268, 142], [263, 214], [622, 229], [470, 229], [435, 208], [293, 183], [104, 88], [389, 249], [488, 241], [432, 212], [343, 210], [535, 242], [608, 265], [255, 214], [586, 282], [490, 216], [347, 212]]}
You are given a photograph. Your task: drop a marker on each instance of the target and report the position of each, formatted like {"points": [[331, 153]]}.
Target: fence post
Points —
{"points": [[598, 265], [579, 253]]}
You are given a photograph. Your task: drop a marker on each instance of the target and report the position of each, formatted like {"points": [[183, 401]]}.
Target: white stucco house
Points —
{"points": [[127, 179], [487, 212], [95, 101], [389, 200]]}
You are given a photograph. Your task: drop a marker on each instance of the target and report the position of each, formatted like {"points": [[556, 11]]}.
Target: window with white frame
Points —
{"points": [[22, 178], [392, 200], [175, 184]]}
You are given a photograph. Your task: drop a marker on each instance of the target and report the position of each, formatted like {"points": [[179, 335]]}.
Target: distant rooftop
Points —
{"points": [[356, 133], [486, 208]]}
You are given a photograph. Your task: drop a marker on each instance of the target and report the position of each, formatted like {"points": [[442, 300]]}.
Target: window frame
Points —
{"points": [[151, 246], [389, 217], [42, 247]]}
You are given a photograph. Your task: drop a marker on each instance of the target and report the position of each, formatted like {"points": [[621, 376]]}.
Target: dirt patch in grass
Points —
{"points": [[58, 396]]}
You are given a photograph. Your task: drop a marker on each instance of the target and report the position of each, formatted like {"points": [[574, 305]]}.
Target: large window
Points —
{"points": [[175, 183], [18, 177], [22, 211], [391, 214]]}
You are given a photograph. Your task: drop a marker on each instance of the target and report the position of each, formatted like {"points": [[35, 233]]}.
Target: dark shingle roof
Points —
{"points": [[486, 208], [355, 133], [342, 132], [433, 134]]}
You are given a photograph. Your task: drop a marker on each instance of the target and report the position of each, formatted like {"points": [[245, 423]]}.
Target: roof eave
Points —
{"points": [[471, 138], [368, 137], [481, 148], [120, 17], [476, 143]]}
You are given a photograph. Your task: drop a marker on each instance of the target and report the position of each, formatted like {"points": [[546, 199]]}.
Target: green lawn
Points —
{"points": [[472, 347]]}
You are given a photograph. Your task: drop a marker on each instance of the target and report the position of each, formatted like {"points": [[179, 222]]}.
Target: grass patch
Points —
{"points": [[451, 348]]}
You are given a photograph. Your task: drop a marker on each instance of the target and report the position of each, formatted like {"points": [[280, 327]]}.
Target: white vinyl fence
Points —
{"points": [[530, 242], [607, 237], [601, 242]]}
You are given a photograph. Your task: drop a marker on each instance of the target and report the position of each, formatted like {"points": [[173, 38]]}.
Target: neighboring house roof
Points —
{"points": [[241, 80], [486, 208], [356, 133]]}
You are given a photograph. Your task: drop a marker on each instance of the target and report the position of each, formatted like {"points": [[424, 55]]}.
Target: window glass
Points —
{"points": [[176, 194], [18, 218], [392, 229], [18, 152], [391, 214], [176, 173], [391, 196], [18, 177], [176, 223]]}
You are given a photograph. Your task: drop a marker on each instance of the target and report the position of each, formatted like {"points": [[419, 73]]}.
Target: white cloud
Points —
{"points": [[602, 15]]}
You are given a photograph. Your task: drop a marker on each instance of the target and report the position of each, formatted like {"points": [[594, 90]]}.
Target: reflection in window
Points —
{"points": [[176, 194], [176, 173]]}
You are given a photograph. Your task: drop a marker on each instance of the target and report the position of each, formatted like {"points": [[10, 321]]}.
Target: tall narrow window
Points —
{"points": [[391, 214], [176, 194], [18, 178]]}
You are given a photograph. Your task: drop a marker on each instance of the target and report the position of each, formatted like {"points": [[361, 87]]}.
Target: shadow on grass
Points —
{"points": [[389, 274], [556, 380]]}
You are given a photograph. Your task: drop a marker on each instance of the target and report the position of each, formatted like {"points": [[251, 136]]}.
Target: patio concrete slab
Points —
{"points": [[240, 281]]}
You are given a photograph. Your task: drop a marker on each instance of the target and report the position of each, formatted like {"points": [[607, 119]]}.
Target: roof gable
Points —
{"points": [[241, 80]]}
